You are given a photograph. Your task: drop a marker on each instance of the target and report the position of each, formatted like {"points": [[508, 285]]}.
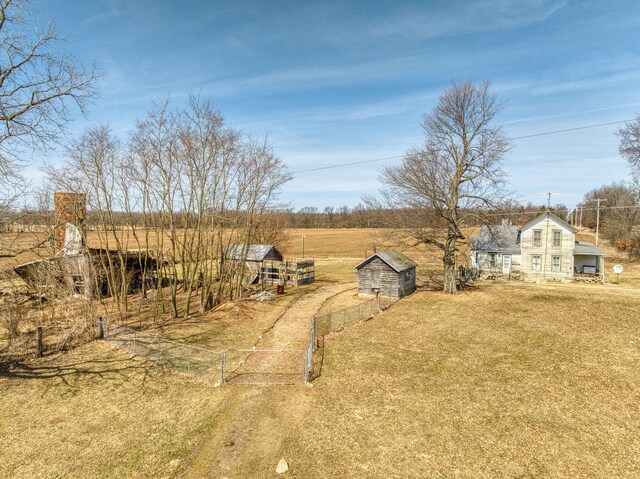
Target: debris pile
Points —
{"points": [[263, 296]]}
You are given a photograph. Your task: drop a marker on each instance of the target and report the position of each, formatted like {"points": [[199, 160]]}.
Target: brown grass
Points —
{"points": [[95, 412], [504, 381]]}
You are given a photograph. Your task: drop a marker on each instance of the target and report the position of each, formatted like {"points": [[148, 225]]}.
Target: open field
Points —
{"points": [[503, 380]]}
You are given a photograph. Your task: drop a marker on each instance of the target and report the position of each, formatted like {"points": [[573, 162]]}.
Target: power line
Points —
{"points": [[539, 212], [340, 165], [570, 129]]}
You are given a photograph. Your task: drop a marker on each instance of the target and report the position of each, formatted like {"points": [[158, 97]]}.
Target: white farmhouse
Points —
{"points": [[543, 248]]}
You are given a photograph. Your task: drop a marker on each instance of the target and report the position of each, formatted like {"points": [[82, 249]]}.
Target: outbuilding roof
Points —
{"points": [[255, 252], [586, 248], [396, 260]]}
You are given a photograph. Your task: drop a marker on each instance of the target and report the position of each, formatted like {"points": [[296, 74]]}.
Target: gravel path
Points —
{"points": [[280, 352]]}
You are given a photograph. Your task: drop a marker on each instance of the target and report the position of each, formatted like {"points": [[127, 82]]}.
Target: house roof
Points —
{"points": [[394, 259], [549, 215], [496, 239], [586, 248], [255, 252]]}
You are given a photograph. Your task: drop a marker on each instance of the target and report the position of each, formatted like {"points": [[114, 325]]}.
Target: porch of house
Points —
{"points": [[588, 267]]}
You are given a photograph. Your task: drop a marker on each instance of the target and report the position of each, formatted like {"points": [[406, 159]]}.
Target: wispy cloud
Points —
{"points": [[473, 17], [600, 81]]}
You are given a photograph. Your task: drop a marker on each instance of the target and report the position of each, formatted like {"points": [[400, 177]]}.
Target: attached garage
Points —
{"points": [[388, 273]]}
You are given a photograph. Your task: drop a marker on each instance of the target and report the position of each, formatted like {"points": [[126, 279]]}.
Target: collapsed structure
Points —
{"points": [[101, 272], [81, 269]]}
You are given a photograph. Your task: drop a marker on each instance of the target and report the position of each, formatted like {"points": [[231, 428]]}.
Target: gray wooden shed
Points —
{"points": [[254, 256], [389, 273]]}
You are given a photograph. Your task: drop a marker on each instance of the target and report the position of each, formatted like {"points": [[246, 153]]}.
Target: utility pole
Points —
{"points": [[580, 217], [598, 218]]}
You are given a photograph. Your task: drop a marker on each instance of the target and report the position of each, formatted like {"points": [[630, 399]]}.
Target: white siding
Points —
{"points": [[547, 250]]}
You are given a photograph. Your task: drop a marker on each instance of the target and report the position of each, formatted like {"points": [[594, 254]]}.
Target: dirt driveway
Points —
{"points": [[279, 355]]}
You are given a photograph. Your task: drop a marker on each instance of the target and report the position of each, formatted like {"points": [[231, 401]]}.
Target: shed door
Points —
{"points": [[506, 263], [375, 279]]}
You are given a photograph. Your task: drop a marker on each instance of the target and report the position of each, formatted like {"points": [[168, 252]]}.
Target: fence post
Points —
{"points": [[223, 359], [40, 344], [307, 358], [100, 329]]}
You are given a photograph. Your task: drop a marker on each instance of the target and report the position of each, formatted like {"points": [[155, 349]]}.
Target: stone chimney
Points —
{"points": [[70, 213]]}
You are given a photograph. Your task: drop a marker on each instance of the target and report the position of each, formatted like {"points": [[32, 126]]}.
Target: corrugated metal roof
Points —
{"points": [[585, 248], [496, 239], [397, 261], [255, 252]]}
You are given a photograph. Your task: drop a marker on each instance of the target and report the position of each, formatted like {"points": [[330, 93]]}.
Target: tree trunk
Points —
{"points": [[449, 259]]}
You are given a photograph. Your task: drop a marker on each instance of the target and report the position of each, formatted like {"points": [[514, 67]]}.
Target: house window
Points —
{"points": [[536, 262], [492, 260], [557, 238], [408, 274], [555, 263], [537, 237]]}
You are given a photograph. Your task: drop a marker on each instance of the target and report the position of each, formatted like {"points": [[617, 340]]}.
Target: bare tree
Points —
{"points": [[40, 88], [619, 218], [455, 173], [630, 147], [181, 190]]}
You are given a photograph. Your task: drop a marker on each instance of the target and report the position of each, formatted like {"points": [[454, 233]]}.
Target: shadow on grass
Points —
{"points": [[76, 375]]}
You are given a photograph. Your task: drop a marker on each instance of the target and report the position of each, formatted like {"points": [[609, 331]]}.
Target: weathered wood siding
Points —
{"points": [[273, 255], [547, 250], [406, 282], [482, 261], [391, 284]]}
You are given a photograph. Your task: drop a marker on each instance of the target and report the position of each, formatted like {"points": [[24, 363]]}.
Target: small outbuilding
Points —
{"points": [[389, 273], [254, 256]]}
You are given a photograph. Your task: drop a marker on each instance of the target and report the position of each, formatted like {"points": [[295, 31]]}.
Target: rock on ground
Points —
{"points": [[282, 466]]}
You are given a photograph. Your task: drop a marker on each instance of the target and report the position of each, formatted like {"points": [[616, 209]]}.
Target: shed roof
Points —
{"points": [[496, 239], [396, 260], [586, 248], [255, 252], [550, 215]]}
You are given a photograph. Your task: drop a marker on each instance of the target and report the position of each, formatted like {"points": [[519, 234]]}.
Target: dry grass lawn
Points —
{"points": [[96, 412], [504, 381]]}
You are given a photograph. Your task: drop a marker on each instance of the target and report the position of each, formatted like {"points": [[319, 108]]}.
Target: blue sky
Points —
{"points": [[336, 82]]}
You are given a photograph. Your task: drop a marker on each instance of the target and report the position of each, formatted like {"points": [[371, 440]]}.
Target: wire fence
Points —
{"points": [[266, 366], [338, 320], [206, 363], [335, 321], [244, 366]]}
